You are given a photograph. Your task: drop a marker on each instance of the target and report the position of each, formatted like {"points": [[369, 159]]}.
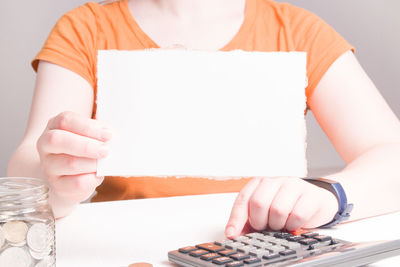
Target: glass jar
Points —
{"points": [[27, 229]]}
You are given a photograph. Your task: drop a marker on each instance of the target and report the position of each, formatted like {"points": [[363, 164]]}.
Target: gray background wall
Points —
{"points": [[372, 26]]}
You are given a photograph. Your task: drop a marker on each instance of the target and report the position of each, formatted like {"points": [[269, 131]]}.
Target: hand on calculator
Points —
{"points": [[280, 203]]}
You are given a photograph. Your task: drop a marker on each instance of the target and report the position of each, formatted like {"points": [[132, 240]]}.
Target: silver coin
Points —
{"points": [[15, 231], [39, 237], [2, 237], [20, 244], [40, 255], [46, 262], [15, 257]]}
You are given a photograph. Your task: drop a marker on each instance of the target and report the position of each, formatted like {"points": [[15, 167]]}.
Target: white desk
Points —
{"points": [[122, 232]]}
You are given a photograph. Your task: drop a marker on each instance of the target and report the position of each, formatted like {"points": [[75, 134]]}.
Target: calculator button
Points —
{"points": [[252, 260], [222, 260], [210, 247], [308, 241], [187, 249], [292, 245], [322, 238], [235, 245], [310, 234], [198, 252], [254, 235], [282, 235], [263, 245], [242, 238], [320, 244], [249, 242], [235, 264], [267, 238], [210, 256], [239, 256], [280, 242], [223, 242], [255, 242], [259, 252], [298, 232], [246, 249], [271, 256], [226, 252], [271, 233], [295, 238], [276, 249], [287, 252]]}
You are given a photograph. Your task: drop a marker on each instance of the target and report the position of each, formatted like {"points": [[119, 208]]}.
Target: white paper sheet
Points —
{"points": [[208, 114]]}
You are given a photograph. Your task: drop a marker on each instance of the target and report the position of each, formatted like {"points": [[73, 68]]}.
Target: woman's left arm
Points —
{"points": [[365, 133]]}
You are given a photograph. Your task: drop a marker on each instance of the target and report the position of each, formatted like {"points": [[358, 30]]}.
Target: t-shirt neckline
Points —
{"points": [[147, 41]]}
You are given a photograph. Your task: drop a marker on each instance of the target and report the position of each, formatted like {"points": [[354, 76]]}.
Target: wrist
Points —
{"points": [[344, 208]]}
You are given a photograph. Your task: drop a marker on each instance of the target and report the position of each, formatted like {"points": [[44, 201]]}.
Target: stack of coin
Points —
{"points": [[26, 244]]}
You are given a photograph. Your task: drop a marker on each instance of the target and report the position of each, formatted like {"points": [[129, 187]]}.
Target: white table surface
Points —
{"points": [[119, 233]]}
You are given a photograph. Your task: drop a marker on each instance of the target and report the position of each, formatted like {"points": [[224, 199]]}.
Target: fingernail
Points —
{"points": [[230, 231], [103, 151], [106, 134]]}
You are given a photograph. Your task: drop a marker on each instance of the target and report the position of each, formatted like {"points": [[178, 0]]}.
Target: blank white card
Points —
{"points": [[203, 114]]}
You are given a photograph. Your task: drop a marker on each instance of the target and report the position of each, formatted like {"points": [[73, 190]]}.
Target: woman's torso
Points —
{"points": [[266, 26]]}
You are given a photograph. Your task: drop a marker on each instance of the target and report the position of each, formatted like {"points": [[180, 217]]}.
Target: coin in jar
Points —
{"points": [[15, 232], [15, 257], [39, 237], [40, 255], [46, 262]]}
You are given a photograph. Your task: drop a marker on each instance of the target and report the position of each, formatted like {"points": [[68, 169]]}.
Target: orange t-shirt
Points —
{"points": [[267, 26]]}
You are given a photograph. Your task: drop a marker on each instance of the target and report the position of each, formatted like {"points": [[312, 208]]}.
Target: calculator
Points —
{"points": [[279, 248]]}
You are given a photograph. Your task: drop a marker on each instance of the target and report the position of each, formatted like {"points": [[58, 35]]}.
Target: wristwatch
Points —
{"points": [[334, 187]]}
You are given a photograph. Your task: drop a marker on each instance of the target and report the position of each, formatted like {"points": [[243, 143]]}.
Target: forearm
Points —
{"points": [[25, 162], [372, 181]]}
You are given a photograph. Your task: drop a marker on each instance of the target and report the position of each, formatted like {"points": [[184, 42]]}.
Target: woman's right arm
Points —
{"points": [[62, 143]]}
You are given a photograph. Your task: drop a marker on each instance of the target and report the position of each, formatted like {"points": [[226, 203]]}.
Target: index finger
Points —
{"points": [[240, 210], [78, 124]]}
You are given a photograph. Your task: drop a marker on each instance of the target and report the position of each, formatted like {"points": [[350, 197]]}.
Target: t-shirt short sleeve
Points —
{"points": [[72, 44], [322, 43]]}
